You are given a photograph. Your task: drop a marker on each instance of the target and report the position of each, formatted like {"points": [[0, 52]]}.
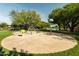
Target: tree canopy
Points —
{"points": [[3, 26], [66, 17], [25, 19]]}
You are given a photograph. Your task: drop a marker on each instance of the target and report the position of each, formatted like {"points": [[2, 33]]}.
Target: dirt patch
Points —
{"points": [[38, 42]]}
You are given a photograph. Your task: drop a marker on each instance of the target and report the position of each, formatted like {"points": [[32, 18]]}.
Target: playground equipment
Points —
{"points": [[23, 31]]}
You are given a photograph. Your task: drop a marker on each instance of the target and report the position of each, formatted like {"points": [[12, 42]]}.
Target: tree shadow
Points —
{"points": [[1, 51], [63, 36], [22, 53], [13, 52]]}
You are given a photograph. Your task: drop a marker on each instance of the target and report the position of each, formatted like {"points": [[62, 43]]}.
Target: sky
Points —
{"points": [[43, 9]]}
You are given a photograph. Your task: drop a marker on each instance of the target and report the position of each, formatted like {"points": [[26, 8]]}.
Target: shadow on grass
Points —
{"points": [[14, 52]]}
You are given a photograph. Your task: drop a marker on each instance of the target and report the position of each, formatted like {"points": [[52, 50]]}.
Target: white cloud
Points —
{"points": [[43, 17], [5, 19]]}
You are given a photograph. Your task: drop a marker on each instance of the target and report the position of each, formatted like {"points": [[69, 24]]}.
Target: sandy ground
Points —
{"points": [[41, 42]]}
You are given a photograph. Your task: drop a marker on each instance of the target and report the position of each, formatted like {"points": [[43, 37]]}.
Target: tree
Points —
{"points": [[25, 18], [56, 15], [4, 26], [73, 11], [67, 17], [42, 24]]}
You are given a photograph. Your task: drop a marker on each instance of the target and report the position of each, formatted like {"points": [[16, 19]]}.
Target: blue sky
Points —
{"points": [[43, 9]]}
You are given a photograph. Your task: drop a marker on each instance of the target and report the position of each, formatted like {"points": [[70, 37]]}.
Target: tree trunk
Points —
{"points": [[59, 27], [72, 29], [64, 27]]}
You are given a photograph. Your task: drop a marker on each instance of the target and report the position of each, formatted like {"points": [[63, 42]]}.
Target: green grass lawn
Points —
{"points": [[4, 34], [71, 52]]}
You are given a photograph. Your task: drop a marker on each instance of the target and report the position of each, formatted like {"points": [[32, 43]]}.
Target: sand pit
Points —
{"points": [[41, 42]]}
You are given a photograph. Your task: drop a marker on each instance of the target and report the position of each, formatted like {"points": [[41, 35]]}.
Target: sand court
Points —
{"points": [[41, 42]]}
